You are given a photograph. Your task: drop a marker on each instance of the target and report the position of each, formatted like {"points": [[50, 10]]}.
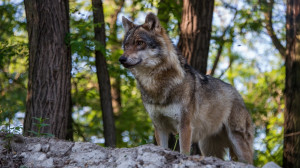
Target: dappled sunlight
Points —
{"points": [[241, 53]]}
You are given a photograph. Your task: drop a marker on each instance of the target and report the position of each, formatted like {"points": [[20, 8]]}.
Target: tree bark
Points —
{"points": [[103, 76], [291, 148], [116, 94], [196, 27], [49, 81]]}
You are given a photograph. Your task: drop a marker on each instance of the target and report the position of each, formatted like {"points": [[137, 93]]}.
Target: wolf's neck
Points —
{"points": [[157, 82], [163, 74]]}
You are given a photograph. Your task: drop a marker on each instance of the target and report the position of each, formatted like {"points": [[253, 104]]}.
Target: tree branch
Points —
{"points": [[269, 26], [114, 16], [220, 49], [223, 72], [15, 79]]}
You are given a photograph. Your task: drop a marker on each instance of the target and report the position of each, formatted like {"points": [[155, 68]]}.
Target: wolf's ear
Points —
{"points": [[127, 24], [152, 22]]}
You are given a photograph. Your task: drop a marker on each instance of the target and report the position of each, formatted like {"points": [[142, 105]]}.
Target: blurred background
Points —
{"points": [[242, 51]]}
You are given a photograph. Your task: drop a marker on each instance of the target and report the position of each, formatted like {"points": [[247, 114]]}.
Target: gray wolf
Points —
{"points": [[202, 109]]}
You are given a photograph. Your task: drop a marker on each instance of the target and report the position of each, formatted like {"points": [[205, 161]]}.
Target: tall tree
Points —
{"points": [[196, 27], [291, 149], [49, 81], [103, 76]]}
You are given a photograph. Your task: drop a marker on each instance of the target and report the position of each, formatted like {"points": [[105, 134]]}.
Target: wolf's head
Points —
{"points": [[145, 45]]}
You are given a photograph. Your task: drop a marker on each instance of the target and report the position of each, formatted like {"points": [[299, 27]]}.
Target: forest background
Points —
{"points": [[242, 52]]}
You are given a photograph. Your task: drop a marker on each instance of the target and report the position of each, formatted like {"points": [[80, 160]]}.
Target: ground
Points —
{"points": [[51, 152]]}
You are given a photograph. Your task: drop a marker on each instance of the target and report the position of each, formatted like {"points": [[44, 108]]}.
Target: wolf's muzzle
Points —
{"points": [[128, 63], [122, 59]]}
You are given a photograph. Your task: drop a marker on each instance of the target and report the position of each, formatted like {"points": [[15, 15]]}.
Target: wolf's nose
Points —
{"points": [[122, 59]]}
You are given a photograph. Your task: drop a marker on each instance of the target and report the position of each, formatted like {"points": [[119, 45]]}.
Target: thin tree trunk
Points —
{"points": [[116, 94], [103, 76], [115, 46], [291, 148], [196, 27], [49, 81]]}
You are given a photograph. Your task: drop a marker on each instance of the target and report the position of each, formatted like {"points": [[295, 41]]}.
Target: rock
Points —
{"points": [[47, 163], [51, 152], [35, 148], [271, 165], [45, 148], [41, 157]]}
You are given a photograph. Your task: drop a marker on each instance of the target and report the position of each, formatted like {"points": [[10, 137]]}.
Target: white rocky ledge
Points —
{"points": [[51, 152]]}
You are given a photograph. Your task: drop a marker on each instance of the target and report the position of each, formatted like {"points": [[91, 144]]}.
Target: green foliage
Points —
{"points": [[130, 122], [169, 14], [40, 124], [13, 77], [263, 96], [177, 138], [238, 27], [133, 123], [13, 61], [268, 114], [9, 132], [9, 12], [259, 78]]}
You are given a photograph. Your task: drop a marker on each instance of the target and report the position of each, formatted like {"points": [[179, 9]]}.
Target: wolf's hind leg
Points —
{"points": [[240, 148], [240, 133], [215, 145]]}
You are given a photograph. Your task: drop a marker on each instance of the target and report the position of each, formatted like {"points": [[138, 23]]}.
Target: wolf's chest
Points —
{"points": [[172, 111], [164, 116]]}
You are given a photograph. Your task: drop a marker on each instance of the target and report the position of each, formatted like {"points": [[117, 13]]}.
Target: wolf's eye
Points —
{"points": [[139, 43]]}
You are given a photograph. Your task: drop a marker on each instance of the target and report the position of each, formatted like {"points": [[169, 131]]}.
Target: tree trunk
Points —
{"points": [[291, 149], [49, 81], [103, 76], [196, 27], [116, 94], [115, 46]]}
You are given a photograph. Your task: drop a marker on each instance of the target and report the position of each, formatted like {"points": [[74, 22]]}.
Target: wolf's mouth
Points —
{"points": [[131, 65]]}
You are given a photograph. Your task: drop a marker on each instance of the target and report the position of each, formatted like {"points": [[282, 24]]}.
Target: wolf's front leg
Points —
{"points": [[161, 138], [185, 136]]}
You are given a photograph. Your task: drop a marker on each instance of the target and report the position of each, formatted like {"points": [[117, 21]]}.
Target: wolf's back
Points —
{"points": [[215, 102]]}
